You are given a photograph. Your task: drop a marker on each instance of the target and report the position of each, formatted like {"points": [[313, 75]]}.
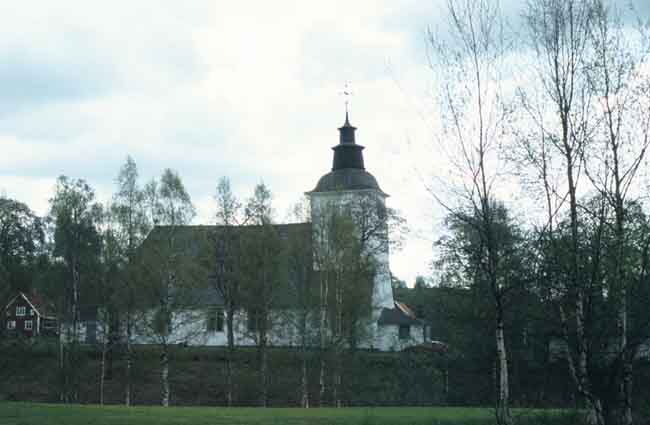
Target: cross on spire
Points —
{"points": [[347, 94]]}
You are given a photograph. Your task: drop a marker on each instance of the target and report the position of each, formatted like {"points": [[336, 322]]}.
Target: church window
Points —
{"points": [[404, 332], [220, 320], [253, 318], [215, 320]]}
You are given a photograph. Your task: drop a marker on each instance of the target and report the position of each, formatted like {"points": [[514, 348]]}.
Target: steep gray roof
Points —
{"points": [[197, 242]]}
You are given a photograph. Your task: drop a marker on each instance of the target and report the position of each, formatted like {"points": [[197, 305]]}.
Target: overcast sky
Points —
{"points": [[248, 90]]}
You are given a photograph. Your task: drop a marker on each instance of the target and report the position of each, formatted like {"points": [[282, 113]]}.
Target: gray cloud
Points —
{"points": [[29, 77], [213, 89]]}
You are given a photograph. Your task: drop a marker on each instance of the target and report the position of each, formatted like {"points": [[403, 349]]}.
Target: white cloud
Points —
{"points": [[243, 89]]}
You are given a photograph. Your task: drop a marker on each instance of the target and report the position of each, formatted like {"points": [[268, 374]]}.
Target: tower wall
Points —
{"points": [[361, 203]]}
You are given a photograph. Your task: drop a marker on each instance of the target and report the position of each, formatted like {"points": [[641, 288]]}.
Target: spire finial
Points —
{"points": [[347, 94]]}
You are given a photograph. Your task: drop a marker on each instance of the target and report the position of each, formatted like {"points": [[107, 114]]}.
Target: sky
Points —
{"points": [[247, 90]]}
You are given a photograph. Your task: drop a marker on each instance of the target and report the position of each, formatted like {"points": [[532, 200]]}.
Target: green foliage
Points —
{"points": [[128, 208], [173, 206], [21, 243], [263, 274], [258, 207], [346, 269], [75, 213], [420, 282]]}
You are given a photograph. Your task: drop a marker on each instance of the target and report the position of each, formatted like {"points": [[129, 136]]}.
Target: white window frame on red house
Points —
{"points": [[21, 310], [11, 325], [31, 325]]}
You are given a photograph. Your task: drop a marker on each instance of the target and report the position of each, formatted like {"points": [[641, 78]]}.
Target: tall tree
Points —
{"points": [[559, 32], [473, 117], [21, 241], [227, 264], [463, 266], [132, 225], [345, 266], [302, 286], [264, 276], [169, 273], [76, 241], [617, 79], [111, 268]]}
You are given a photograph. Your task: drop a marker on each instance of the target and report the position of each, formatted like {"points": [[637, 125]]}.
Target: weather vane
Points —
{"points": [[347, 94]]}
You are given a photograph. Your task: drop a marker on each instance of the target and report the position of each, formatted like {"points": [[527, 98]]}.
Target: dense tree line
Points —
{"points": [[135, 267], [572, 129]]}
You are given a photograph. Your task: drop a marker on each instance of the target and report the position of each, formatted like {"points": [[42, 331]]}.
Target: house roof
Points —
{"points": [[44, 307], [39, 304], [401, 314]]}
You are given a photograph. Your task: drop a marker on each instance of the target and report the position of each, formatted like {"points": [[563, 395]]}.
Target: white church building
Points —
{"points": [[390, 326]]}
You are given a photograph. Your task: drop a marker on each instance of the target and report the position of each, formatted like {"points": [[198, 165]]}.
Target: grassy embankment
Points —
{"points": [[13, 413]]}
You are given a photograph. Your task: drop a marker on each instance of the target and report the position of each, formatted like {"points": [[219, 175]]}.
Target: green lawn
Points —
{"points": [[51, 414]]}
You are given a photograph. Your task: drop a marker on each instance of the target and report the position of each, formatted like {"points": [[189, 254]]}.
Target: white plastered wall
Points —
{"points": [[382, 294]]}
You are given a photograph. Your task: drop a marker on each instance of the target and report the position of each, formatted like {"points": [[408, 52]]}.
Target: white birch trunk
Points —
{"points": [[229, 355], [129, 361], [102, 377], [62, 363], [502, 408], [321, 380], [323, 340], [304, 387], [304, 379], [263, 375], [164, 377]]}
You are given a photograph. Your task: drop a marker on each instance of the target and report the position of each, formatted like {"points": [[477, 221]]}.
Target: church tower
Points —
{"points": [[349, 184]]}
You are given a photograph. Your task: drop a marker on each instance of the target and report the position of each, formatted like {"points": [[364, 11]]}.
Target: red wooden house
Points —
{"points": [[30, 315]]}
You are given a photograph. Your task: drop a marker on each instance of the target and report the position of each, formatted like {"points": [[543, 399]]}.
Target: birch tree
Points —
{"points": [[619, 83], [302, 282], [227, 267], [168, 269], [76, 241], [559, 35], [107, 291], [133, 224], [264, 277], [345, 272], [473, 118]]}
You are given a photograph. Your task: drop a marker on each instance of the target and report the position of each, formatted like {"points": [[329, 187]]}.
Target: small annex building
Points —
{"points": [[30, 316]]}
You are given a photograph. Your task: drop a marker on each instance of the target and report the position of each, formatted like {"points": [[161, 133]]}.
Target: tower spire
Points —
{"points": [[347, 94], [347, 154], [346, 136]]}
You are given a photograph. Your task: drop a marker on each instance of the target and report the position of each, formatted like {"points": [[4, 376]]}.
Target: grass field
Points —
{"points": [[16, 413]]}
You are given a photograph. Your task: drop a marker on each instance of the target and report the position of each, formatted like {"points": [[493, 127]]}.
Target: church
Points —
{"points": [[388, 324], [393, 325]]}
